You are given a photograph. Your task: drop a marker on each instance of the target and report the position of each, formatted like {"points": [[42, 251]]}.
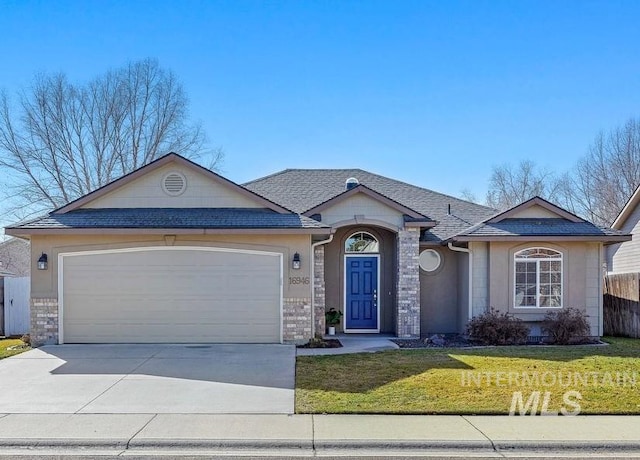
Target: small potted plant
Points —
{"points": [[332, 317]]}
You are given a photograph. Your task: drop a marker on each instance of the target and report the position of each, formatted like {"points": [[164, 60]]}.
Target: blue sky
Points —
{"points": [[433, 93]]}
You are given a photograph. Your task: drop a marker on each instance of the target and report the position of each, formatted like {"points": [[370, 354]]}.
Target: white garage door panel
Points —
{"points": [[177, 296]]}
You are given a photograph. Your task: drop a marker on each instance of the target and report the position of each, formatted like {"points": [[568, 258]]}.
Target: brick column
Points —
{"points": [[296, 322], [318, 290], [408, 283], [44, 322]]}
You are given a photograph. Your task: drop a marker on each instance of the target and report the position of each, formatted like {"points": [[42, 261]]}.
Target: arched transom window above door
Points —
{"points": [[361, 242]]}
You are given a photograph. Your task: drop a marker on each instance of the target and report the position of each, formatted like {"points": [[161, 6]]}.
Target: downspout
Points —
{"points": [[313, 282], [470, 274]]}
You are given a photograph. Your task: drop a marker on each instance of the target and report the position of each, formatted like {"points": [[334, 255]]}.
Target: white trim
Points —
{"points": [[361, 252], [344, 293], [62, 255], [537, 260]]}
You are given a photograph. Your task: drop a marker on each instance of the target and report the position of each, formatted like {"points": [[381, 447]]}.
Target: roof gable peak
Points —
{"points": [[535, 201], [163, 161], [363, 189]]}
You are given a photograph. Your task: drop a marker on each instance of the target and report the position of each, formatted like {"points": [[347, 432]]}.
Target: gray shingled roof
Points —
{"points": [[538, 227], [303, 189], [171, 218]]}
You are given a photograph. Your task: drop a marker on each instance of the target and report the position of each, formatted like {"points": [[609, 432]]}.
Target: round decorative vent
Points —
{"points": [[174, 183], [429, 260]]}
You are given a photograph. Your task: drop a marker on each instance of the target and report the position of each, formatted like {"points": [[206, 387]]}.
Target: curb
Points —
{"points": [[217, 445], [41, 443], [592, 446]]}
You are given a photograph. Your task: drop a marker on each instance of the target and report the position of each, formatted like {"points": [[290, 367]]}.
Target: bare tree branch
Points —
{"points": [[63, 140], [510, 186], [606, 177]]}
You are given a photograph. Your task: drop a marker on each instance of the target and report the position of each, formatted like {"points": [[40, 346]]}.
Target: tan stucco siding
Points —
{"points": [[44, 283], [463, 291], [439, 312], [480, 274], [582, 286], [625, 257], [200, 192], [535, 212], [358, 207], [593, 291]]}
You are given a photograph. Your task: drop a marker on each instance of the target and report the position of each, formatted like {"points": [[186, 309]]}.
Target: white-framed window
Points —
{"points": [[361, 242], [538, 278]]}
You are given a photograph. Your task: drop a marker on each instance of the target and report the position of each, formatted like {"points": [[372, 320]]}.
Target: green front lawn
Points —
{"points": [[6, 343], [473, 380]]}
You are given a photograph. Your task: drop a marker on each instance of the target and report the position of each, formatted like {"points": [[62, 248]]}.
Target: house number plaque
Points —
{"points": [[298, 280]]}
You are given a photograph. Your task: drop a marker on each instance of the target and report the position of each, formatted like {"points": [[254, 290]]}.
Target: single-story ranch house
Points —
{"points": [[173, 252]]}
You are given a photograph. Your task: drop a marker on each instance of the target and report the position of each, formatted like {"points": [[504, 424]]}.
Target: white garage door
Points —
{"points": [[171, 295]]}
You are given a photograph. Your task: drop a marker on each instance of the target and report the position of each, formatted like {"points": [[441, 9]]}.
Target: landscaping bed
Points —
{"points": [[321, 343], [480, 380], [436, 341]]}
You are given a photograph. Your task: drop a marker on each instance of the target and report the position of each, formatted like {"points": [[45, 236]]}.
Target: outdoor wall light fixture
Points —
{"points": [[295, 264], [43, 263]]}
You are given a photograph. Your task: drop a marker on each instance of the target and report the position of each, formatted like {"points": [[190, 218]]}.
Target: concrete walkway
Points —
{"points": [[352, 344], [316, 435]]}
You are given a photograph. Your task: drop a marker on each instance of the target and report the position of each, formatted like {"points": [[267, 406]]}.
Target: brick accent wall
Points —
{"points": [[318, 290], [408, 281], [297, 321], [44, 322]]}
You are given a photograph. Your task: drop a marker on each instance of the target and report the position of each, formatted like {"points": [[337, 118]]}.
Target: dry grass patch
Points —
{"points": [[6, 344], [471, 381]]}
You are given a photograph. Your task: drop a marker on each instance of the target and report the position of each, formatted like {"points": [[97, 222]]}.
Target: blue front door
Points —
{"points": [[361, 309]]}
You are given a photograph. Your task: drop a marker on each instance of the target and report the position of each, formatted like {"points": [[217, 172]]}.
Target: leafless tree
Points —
{"points": [[606, 177], [510, 186], [468, 195], [63, 140]]}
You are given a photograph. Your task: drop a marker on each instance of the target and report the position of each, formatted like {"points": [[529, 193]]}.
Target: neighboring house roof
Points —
{"points": [[627, 210], [15, 257], [567, 226], [169, 218], [301, 190]]}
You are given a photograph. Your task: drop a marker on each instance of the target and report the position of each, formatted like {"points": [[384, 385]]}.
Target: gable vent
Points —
{"points": [[174, 183]]}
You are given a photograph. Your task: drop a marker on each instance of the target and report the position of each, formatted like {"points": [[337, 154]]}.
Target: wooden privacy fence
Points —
{"points": [[622, 305]]}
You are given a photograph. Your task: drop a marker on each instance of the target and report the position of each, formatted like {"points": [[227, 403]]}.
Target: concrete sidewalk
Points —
{"points": [[315, 435], [352, 344]]}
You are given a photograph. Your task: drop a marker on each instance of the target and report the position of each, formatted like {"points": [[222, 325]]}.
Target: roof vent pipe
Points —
{"points": [[351, 183], [449, 209]]}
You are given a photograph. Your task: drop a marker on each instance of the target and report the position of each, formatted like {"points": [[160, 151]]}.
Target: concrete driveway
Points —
{"points": [[165, 379]]}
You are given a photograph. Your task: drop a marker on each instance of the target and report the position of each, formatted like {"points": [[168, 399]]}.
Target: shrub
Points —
{"points": [[495, 328], [332, 317], [566, 326]]}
